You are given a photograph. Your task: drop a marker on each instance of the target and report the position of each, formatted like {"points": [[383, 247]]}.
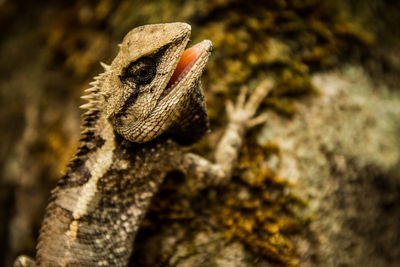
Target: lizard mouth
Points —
{"points": [[192, 58]]}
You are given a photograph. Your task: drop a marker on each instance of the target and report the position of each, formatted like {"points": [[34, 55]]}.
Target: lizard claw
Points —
{"points": [[241, 100], [258, 95], [260, 119], [229, 107]]}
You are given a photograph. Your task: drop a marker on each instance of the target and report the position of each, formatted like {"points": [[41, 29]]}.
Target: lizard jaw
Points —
{"points": [[193, 60]]}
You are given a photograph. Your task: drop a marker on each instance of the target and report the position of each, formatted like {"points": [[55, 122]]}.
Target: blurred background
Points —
{"points": [[318, 185]]}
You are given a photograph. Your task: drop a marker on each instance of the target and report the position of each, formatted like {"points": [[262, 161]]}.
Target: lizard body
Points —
{"points": [[140, 111]]}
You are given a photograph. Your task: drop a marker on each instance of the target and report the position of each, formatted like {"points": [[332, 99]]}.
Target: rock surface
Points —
{"points": [[342, 150]]}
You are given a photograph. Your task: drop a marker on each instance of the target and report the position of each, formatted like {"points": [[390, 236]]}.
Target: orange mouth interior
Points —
{"points": [[187, 60]]}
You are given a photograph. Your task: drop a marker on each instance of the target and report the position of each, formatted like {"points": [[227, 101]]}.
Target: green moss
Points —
{"points": [[258, 210], [283, 39]]}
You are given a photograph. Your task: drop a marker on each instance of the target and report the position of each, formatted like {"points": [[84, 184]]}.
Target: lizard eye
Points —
{"points": [[139, 72]]}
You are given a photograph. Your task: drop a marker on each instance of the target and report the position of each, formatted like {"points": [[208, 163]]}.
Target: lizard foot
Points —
{"points": [[243, 112], [24, 261]]}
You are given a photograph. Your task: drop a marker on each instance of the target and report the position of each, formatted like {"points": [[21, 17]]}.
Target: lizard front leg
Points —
{"points": [[241, 118]]}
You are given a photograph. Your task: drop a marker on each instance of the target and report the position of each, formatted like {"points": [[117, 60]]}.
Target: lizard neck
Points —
{"points": [[76, 193], [94, 156]]}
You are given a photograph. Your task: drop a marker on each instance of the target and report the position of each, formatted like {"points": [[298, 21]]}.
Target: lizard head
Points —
{"points": [[153, 84]]}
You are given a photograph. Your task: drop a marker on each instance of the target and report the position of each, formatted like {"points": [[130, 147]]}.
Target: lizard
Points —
{"points": [[141, 112]]}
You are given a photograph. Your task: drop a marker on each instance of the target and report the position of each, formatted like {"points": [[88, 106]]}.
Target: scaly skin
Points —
{"points": [[136, 121]]}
